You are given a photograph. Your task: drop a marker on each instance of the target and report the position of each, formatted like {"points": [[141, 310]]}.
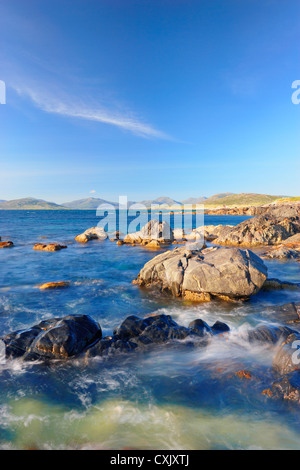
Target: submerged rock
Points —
{"points": [[276, 284], [287, 313], [227, 272], [48, 247], [94, 233], [57, 338], [287, 387], [269, 334]]}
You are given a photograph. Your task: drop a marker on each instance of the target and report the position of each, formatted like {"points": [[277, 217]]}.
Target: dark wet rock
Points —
{"points": [[132, 326], [269, 334], [143, 333], [228, 272], [287, 387], [109, 347], [220, 327], [61, 338], [278, 223], [286, 313], [276, 284], [200, 327], [18, 342], [56, 338], [287, 355]]}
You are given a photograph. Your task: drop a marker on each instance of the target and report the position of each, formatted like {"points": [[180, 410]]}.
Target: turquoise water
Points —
{"points": [[166, 399]]}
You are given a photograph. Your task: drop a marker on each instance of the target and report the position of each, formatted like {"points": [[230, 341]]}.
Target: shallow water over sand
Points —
{"points": [[169, 398]]}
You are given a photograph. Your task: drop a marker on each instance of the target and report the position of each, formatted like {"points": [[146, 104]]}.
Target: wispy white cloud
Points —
{"points": [[65, 105]]}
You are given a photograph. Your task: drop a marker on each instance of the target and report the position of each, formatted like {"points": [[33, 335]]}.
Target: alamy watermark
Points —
{"points": [[2, 92], [177, 221], [2, 351], [296, 94]]}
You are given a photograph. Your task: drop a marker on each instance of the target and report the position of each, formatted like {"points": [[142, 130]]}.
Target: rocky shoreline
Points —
{"points": [[228, 270]]}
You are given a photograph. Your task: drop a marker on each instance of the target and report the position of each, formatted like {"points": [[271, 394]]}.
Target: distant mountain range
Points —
{"points": [[29, 203], [221, 199]]}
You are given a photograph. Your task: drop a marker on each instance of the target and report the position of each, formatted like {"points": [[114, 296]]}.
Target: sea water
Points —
{"points": [[165, 399]]}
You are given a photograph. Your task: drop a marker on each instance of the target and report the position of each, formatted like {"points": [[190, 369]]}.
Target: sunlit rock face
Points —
{"points": [[228, 272]]}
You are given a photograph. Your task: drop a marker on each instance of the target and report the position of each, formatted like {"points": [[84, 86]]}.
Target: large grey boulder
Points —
{"points": [[227, 272], [278, 223]]}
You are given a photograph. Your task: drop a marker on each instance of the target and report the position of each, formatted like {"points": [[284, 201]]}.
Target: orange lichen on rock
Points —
{"points": [[244, 374], [268, 392]]}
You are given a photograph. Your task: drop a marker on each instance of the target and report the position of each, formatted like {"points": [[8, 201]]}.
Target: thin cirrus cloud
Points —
{"points": [[69, 107]]}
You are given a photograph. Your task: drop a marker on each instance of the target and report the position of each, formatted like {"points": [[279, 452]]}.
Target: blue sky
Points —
{"points": [[146, 98]]}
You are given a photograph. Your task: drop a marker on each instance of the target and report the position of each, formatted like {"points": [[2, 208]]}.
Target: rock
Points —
{"points": [[94, 233], [143, 333], [268, 334], [246, 210], [57, 338], [200, 327], [281, 252], [287, 387], [61, 338], [153, 244], [49, 247], [120, 242], [114, 236], [211, 232], [179, 234], [54, 285], [228, 272], [274, 226], [219, 328], [194, 235], [154, 230], [287, 355], [6, 244], [294, 240], [276, 284], [286, 314]]}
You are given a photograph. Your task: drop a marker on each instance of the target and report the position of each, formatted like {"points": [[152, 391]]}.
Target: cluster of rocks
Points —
{"points": [[224, 272], [80, 336], [277, 224], [245, 210], [62, 338]]}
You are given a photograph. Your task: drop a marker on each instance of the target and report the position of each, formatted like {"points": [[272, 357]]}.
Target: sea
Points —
{"points": [[164, 399]]}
